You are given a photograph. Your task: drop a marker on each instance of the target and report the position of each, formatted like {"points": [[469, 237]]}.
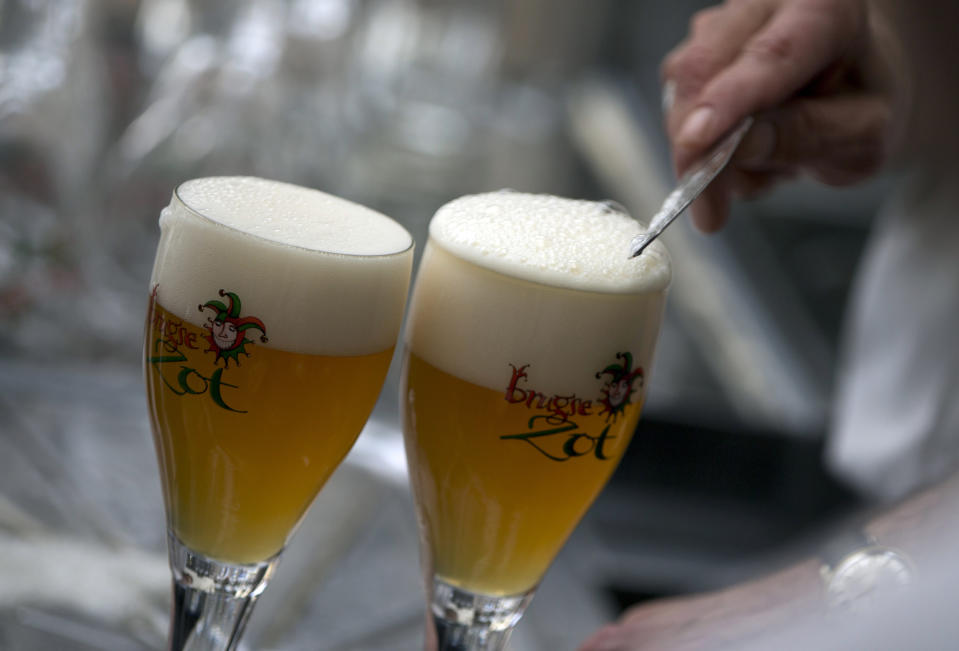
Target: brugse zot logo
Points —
{"points": [[552, 432], [176, 342], [226, 327]]}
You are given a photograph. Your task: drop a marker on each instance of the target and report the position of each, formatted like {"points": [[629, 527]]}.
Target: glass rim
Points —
{"points": [[190, 209]]}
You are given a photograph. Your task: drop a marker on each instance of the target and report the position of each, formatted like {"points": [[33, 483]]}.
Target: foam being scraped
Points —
{"points": [[326, 276], [510, 280], [553, 240]]}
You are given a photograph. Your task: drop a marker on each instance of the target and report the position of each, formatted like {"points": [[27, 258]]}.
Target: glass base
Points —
{"points": [[470, 621], [212, 600]]}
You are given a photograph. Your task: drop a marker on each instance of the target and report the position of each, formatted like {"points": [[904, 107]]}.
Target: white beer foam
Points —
{"points": [[492, 292], [293, 215], [325, 275], [553, 240]]}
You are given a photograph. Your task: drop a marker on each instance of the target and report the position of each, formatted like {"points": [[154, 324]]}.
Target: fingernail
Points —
{"points": [[697, 129], [757, 146]]}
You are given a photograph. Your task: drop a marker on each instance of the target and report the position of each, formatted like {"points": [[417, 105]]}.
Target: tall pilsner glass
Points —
{"points": [[528, 345], [272, 321]]}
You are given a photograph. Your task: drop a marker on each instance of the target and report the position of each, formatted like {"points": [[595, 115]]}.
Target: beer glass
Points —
{"points": [[528, 345], [272, 321]]}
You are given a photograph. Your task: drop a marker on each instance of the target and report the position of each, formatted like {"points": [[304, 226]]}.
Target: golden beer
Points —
{"points": [[273, 317], [497, 511], [242, 456], [528, 347]]}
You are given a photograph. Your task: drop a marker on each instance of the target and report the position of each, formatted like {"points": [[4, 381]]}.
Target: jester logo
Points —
{"points": [[618, 389], [227, 328]]}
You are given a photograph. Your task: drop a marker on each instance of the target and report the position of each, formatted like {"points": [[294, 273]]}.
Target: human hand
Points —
{"points": [[815, 73], [680, 624], [727, 619]]}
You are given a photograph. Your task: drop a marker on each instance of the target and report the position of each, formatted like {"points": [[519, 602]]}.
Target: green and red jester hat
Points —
{"points": [[227, 328]]}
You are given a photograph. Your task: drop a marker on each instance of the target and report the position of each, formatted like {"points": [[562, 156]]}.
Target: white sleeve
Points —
{"points": [[896, 419]]}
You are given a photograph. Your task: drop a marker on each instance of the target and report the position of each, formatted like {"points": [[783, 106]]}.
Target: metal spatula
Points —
{"points": [[691, 186]]}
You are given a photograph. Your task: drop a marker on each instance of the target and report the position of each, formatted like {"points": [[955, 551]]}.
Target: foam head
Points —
{"points": [[326, 275], [551, 240], [513, 278]]}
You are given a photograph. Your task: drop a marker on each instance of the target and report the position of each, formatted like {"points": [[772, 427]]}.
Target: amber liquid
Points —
{"points": [[243, 454], [496, 511]]}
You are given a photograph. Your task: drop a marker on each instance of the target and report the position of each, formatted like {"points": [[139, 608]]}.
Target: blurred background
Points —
{"points": [[401, 105]]}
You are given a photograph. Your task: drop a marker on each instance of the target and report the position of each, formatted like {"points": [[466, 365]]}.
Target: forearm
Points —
{"points": [[790, 600], [921, 524]]}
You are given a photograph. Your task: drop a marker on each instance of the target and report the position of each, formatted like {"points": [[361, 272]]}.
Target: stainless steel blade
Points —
{"points": [[691, 185]]}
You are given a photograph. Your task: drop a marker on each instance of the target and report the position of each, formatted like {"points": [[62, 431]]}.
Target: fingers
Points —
{"points": [[838, 140], [605, 639], [764, 58], [710, 211], [797, 43], [716, 37]]}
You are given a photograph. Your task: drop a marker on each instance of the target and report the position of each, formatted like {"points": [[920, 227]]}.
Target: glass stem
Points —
{"points": [[471, 621], [212, 600]]}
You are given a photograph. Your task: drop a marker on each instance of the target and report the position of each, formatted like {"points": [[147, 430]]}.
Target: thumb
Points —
{"points": [[840, 139]]}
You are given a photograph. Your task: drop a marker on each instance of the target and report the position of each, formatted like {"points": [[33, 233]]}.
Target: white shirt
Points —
{"points": [[896, 424]]}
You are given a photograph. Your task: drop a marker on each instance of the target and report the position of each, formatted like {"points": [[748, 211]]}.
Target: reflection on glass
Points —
{"points": [[272, 320], [529, 340]]}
